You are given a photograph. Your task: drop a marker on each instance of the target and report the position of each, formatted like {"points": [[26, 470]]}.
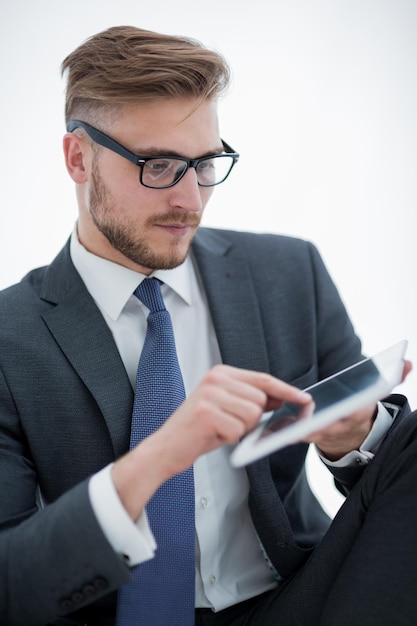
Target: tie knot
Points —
{"points": [[149, 292]]}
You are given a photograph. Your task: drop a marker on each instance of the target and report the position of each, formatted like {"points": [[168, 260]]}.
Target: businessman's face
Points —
{"points": [[126, 222]]}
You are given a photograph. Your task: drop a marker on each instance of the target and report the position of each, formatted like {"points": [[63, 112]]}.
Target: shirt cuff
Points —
{"points": [[134, 541], [369, 447]]}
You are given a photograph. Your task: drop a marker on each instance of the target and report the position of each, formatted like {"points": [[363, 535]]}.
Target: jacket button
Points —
{"points": [[77, 596], [89, 590], [100, 583], [66, 604]]}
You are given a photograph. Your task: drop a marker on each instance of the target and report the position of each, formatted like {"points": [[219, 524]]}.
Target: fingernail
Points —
{"points": [[304, 395]]}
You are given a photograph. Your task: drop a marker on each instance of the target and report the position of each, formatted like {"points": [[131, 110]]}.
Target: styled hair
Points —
{"points": [[125, 65]]}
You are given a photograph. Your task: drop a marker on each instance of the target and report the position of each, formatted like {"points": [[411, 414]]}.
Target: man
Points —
{"points": [[248, 312]]}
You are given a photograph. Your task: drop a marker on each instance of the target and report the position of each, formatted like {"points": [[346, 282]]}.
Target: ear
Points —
{"points": [[77, 154]]}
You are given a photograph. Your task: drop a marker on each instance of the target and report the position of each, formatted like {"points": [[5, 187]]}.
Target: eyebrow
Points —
{"points": [[154, 151]]}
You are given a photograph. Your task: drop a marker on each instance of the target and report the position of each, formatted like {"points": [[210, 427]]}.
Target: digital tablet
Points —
{"points": [[335, 397]]}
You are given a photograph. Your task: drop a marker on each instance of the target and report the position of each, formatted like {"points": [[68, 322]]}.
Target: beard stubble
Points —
{"points": [[134, 247]]}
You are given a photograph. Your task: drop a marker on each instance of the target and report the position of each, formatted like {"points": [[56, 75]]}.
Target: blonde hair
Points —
{"points": [[124, 65]]}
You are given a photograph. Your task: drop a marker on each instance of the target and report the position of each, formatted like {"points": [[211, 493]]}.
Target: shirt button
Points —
{"points": [[213, 580], [203, 503]]}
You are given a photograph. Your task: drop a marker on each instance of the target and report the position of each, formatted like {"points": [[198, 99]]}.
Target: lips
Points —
{"points": [[177, 229]]}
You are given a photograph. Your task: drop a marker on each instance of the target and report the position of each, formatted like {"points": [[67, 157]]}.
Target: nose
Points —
{"points": [[187, 194]]}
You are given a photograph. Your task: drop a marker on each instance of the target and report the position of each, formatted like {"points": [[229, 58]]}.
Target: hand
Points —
{"points": [[226, 404], [350, 432], [345, 435]]}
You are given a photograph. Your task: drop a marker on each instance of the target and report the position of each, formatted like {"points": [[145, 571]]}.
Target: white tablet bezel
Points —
{"points": [[389, 364]]}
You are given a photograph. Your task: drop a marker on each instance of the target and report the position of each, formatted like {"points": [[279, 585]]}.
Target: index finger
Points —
{"points": [[276, 390]]}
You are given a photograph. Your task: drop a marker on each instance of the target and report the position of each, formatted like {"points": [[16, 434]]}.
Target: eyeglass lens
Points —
{"points": [[164, 172]]}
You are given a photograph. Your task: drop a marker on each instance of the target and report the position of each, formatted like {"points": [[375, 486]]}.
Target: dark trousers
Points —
{"points": [[365, 569]]}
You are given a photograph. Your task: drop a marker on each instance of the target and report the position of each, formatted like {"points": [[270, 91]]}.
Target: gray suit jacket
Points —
{"points": [[65, 406]]}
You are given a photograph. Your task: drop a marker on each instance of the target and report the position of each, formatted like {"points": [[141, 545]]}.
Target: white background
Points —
{"points": [[322, 109]]}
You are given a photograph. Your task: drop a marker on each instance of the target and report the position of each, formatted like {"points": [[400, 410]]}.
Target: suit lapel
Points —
{"points": [[84, 337], [232, 300]]}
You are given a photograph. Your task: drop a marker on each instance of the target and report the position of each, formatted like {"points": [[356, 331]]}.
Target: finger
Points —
{"points": [[408, 366], [348, 424], [276, 390], [234, 398], [234, 382]]}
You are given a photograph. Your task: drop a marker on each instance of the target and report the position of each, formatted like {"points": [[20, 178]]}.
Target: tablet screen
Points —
{"points": [[357, 379], [338, 396]]}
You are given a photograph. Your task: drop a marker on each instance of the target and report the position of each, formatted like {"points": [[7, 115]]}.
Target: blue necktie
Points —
{"points": [[162, 590]]}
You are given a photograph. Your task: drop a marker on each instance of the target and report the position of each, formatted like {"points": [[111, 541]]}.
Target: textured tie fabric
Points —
{"points": [[162, 590]]}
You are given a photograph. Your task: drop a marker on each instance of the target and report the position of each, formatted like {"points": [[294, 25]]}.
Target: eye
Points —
{"points": [[156, 168], [206, 171], [206, 165]]}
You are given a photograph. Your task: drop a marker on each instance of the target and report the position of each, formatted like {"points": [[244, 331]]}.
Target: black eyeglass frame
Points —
{"points": [[107, 142]]}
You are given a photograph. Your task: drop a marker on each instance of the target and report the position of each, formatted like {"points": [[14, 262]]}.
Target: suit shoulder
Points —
{"points": [[251, 243], [18, 296], [42, 283]]}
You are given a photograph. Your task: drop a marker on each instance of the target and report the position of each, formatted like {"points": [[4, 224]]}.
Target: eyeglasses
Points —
{"points": [[166, 170]]}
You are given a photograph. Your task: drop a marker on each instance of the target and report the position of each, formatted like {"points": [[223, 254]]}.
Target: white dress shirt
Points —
{"points": [[225, 573]]}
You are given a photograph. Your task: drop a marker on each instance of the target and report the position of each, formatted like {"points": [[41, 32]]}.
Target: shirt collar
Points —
{"points": [[111, 285]]}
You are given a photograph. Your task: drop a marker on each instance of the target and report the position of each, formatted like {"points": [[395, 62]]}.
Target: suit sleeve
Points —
{"points": [[346, 477], [52, 561]]}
